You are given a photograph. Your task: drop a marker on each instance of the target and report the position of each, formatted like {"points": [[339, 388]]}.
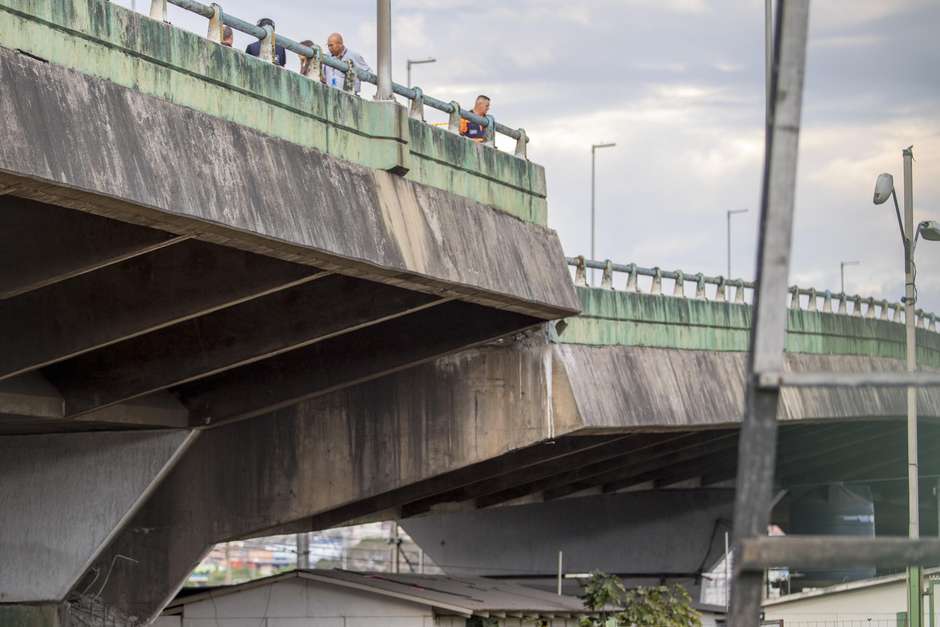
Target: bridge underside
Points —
{"points": [[487, 427], [175, 289]]}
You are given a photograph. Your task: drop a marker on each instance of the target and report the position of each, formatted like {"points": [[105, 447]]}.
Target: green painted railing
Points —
{"points": [[149, 56], [665, 317]]}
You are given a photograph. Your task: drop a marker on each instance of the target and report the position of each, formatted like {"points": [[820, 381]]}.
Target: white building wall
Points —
{"points": [[303, 603], [874, 606]]}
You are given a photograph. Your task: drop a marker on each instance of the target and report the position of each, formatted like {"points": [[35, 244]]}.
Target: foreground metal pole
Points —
{"points": [[768, 53], [730, 213], [758, 440], [593, 164], [384, 22], [915, 605]]}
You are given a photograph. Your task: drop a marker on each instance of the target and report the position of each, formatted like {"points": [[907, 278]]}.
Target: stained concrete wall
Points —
{"points": [[102, 148], [619, 318], [652, 532], [257, 474], [64, 496], [105, 40]]}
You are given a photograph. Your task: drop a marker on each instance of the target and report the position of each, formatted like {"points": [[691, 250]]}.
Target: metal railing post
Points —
{"points": [[268, 50], [158, 10], [521, 145], [215, 24], [453, 120], [384, 47], [490, 131], [416, 111]]}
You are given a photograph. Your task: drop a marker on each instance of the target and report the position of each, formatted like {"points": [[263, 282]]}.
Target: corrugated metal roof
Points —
{"points": [[445, 593]]}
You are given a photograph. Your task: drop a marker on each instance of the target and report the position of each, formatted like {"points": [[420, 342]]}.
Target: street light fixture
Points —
{"points": [[594, 149], [411, 62], [731, 212], [929, 230], [842, 266]]}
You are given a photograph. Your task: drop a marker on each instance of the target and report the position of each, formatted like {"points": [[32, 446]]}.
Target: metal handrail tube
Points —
{"points": [[365, 76], [921, 315], [666, 274]]}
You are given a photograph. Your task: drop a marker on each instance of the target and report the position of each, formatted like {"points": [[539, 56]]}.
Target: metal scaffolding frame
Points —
{"points": [[755, 551]]}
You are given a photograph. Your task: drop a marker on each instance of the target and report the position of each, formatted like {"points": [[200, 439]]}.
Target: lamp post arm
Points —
{"points": [[897, 211]]}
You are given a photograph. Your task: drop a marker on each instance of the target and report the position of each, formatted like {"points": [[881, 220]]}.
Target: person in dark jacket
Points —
{"points": [[254, 49]]}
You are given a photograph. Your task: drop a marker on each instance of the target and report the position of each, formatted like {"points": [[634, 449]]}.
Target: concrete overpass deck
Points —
{"points": [[532, 419], [191, 235], [189, 238]]}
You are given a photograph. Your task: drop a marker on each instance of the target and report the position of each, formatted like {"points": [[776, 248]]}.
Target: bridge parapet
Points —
{"points": [[107, 41], [717, 319]]}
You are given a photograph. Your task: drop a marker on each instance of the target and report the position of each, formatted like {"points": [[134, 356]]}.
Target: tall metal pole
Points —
{"points": [[757, 445], [730, 213], [593, 164], [384, 46], [915, 604], [303, 551], [594, 148], [411, 62], [842, 265], [768, 52]]}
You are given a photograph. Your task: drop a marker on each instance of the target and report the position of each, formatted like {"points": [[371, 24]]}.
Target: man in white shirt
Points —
{"points": [[338, 50]]}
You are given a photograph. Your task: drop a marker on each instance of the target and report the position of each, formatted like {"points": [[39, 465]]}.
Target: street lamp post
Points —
{"points": [[884, 188], [731, 212], [594, 149], [411, 62], [842, 266]]}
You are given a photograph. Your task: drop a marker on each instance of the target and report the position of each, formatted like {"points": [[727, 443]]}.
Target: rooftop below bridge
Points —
{"points": [[106, 41]]}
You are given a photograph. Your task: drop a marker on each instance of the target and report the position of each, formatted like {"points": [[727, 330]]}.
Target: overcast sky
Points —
{"points": [[678, 85]]}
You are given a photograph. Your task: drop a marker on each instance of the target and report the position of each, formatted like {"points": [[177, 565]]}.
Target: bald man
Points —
{"points": [[338, 50]]}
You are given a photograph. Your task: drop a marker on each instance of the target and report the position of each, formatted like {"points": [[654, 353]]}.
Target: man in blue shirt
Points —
{"points": [[254, 49], [338, 50]]}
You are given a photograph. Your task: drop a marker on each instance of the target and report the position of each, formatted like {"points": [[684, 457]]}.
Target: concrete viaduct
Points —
{"points": [[234, 302]]}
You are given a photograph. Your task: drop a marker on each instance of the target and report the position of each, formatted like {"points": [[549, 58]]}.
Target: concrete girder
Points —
{"points": [[721, 442], [45, 244], [646, 446], [339, 361], [319, 455], [632, 387], [63, 497], [660, 534], [486, 484], [232, 337], [30, 404], [190, 173], [142, 294]]}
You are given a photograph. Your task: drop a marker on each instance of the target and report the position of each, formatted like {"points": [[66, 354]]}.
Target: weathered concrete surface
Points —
{"points": [[64, 496], [323, 454], [619, 318], [186, 172], [478, 424], [620, 387], [105, 40], [657, 533]]}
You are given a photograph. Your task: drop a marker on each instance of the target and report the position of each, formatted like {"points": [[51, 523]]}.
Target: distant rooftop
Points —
{"points": [[465, 596]]}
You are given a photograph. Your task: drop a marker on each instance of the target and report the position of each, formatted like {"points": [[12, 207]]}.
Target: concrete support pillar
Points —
{"points": [[62, 498]]}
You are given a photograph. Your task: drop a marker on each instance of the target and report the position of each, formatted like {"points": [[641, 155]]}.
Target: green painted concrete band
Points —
{"points": [[617, 318], [107, 41]]}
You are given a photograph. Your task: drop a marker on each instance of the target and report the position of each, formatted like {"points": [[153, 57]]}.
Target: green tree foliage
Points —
{"points": [[613, 605]]}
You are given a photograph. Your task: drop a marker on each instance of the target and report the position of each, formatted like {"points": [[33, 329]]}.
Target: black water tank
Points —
{"points": [[833, 510]]}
